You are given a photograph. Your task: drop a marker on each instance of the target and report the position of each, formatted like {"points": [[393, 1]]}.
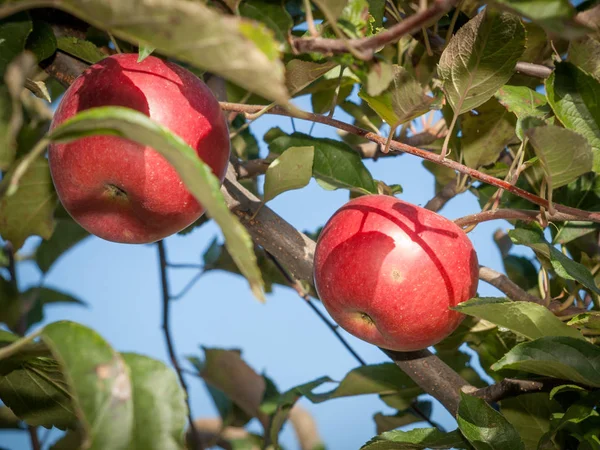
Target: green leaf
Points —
{"points": [[10, 307], [529, 319], [99, 382], [523, 101], [196, 175], [379, 78], [299, 74], [159, 405], [237, 49], [554, 15], [14, 31], [37, 392], [484, 427], [80, 48], [559, 357], [564, 154], [485, 134], [585, 54], [272, 14], [8, 420], [403, 101], [575, 99], [291, 170], [335, 163], [35, 299], [480, 59], [565, 267], [144, 51], [386, 423], [66, 235], [30, 211], [419, 438], [42, 41], [377, 11], [331, 8], [530, 415]]}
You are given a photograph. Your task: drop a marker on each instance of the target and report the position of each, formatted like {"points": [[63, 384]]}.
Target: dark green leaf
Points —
{"points": [[386, 423], [197, 176], [81, 49], [34, 301], [159, 405], [8, 420], [559, 357], [377, 10], [530, 415], [575, 98], [529, 319], [272, 14], [14, 31], [30, 211], [419, 438], [291, 170], [42, 41], [334, 162], [66, 235], [480, 58], [10, 307], [484, 427], [565, 267], [485, 134], [331, 8]]}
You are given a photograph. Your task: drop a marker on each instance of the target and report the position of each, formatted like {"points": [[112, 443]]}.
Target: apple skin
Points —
{"points": [[388, 271], [122, 191]]}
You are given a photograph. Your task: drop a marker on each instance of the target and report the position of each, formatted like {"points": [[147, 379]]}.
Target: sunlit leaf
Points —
{"points": [[292, 170]]}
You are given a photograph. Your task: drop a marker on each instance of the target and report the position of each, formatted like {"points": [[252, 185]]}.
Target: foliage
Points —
{"points": [[514, 95]]}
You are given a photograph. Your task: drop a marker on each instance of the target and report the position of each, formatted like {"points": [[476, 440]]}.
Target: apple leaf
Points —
{"points": [[13, 36], [480, 58], [560, 357], [554, 15], [385, 422], [484, 427], [8, 420], [403, 101], [529, 319], [272, 14], [291, 170], [10, 307], [299, 74], [533, 237], [530, 415], [35, 299], [81, 49], [30, 211], [575, 98], [564, 155], [585, 54], [41, 41], [159, 405], [144, 51], [335, 164], [66, 235], [331, 8], [237, 49], [196, 175], [486, 133], [418, 438], [523, 101]]}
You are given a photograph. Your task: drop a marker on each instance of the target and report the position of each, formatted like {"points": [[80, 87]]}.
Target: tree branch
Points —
{"points": [[399, 146], [441, 198], [504, 284], [533, 70], [162, 258], [514, 214], [433, 375], [367, 46]]}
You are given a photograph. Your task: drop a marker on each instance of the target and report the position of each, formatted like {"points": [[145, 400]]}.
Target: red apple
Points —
{"points": [[122, 191], [388, 272]]}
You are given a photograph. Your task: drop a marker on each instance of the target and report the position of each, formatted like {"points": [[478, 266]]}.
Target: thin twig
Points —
{"points": [[189, 286], [298, 288], [511, 387], [504, 284], [368, 45], [513, 214], [399, 146], [533, 70], [162, 257], [33, 435]]}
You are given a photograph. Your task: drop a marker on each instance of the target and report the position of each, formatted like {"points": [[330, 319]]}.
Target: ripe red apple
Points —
{"points": [[122, 191], [388, 272]]}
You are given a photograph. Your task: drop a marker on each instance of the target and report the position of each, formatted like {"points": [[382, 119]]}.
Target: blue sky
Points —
{"points": [[282, 338]]}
